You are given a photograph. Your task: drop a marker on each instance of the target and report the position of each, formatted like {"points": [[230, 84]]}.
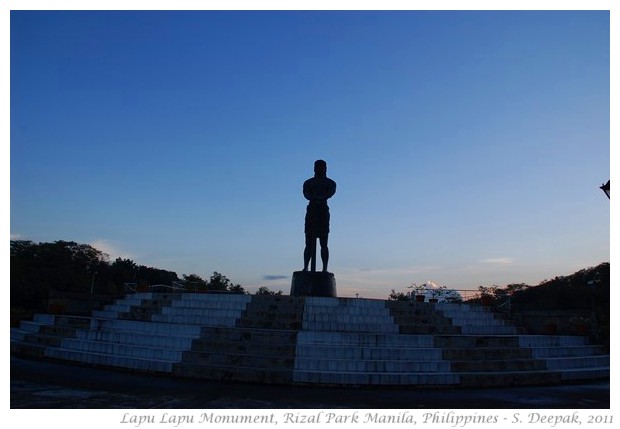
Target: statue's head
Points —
{"points": [[320, 168]]}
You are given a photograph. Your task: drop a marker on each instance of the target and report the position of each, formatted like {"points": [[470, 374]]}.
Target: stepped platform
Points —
{"points": [[311, 340]]}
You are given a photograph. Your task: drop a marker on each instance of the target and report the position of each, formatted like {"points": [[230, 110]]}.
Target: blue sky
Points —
{"points": [[467, 146]]}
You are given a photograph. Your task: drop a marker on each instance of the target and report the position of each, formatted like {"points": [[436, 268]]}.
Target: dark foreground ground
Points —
{"points": [[41, 384]]}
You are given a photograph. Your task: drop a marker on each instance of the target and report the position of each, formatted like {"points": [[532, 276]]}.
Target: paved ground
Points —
{"points": [[39, 384]]}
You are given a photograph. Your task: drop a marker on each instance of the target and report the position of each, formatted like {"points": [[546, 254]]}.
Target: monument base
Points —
{"points": [[309, 283]]}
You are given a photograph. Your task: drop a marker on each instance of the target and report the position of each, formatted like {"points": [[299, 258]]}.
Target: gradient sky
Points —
{"points": [[467, 146]]}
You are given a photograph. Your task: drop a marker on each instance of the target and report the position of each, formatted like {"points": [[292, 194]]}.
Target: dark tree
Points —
{"points": [[237, 289], [218, 281], [399, 296], [63, 266], [263, 290], [194, 282]]}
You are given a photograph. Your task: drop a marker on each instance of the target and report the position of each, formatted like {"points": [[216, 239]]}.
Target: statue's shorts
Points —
{"points": [[317, 220]]}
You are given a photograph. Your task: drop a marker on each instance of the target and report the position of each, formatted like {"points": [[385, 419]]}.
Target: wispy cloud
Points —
{"points": [[113, 250], [15, 236], [274, 277], [499, 261]]}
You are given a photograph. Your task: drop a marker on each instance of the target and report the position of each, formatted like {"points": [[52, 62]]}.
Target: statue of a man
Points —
{"points": [[317, 190]]}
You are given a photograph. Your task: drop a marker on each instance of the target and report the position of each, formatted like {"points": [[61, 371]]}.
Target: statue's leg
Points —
{"points": [[324, 252], [308, 250]]}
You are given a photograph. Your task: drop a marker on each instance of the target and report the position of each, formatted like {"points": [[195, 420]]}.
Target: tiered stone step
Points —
{"points": [[204, 310], [273, 312], [34, 337], [476, 319], [571, 356], [241, 354], [369, 359], [420, 318], [309, 340], [511, 359], [357, 342], [347, 315], [120, 335], [490, 353], [261, 348], [140, 306]]}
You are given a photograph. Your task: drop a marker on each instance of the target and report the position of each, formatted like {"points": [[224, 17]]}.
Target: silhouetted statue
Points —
{"points": [[317, 190]]}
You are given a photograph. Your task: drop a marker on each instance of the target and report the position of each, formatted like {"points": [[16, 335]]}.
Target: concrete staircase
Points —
{"points": [[259, 348], [311, 340]]}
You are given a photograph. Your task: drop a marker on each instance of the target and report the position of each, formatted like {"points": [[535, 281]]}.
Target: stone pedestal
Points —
{"points": [[309, 283]]}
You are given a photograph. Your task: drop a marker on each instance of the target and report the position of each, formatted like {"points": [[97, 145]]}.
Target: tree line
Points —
{"points": [[585, 289], [67, 266]]}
